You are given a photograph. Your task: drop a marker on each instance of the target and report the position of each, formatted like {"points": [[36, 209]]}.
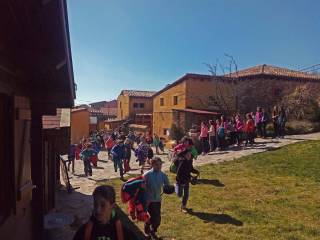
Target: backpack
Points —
{"points": [[174, 168]]}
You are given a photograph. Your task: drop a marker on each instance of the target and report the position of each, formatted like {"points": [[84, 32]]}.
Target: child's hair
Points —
{"points": [[105, 191]]}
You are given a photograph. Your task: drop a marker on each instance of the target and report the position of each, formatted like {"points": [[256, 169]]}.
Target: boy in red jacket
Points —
{"points": [[249, 129]]}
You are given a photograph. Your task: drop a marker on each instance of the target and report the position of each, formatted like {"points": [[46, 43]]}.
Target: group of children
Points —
{"points": [[104, 222], [213, 135]]}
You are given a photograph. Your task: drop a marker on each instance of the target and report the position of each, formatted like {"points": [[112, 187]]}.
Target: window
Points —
{"points": [[175, 100], [135, 105], [141, 105], [161, 101]]}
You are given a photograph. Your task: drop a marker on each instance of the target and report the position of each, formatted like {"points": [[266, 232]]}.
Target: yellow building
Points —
{"points": [[132, 102], [187, 101]]}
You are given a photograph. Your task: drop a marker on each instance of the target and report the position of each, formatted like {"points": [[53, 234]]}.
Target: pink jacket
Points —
{"points": [[258, 117], [239, 125], [204, 131]]}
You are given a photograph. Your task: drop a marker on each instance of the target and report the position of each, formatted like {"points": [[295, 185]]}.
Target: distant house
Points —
{"points": [[108, 108], [136, 105], [184, 102], [266, 85]]}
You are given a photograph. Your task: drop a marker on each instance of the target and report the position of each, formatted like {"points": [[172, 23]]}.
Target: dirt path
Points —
{"points": [[79, 203]]}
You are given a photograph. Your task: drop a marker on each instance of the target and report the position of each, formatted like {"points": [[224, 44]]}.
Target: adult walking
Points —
{"points": [[212, 136]]}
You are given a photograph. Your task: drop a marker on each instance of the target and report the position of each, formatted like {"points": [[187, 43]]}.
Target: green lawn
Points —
{"points": [[271, 195]]}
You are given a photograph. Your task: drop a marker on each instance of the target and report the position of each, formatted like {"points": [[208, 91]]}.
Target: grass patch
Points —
{"points": [[270, 195]]}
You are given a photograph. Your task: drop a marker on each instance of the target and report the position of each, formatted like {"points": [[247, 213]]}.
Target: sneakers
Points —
{"points": [[184, 209]]}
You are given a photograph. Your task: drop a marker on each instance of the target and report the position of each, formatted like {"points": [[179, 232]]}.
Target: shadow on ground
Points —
{"points": [[132, 232], [214, 182], [216, 218]]}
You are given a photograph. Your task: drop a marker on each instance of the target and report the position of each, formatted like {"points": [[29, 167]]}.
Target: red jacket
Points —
{"points": [[249, 128]]}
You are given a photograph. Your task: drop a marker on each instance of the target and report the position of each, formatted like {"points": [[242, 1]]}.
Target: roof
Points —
{"points": [[137, 93], [196, 111], [138, 126], [115, 120], [78, 109], [185, 77], [61, 119], [272, 71]]}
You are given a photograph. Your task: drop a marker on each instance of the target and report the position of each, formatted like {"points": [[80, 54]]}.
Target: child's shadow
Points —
{"points": [[214, 182], [216, 218]]}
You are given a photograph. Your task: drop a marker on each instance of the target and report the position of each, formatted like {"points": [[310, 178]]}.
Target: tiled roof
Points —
{"points": [[137, 93], [273, 71], [187, 76]]}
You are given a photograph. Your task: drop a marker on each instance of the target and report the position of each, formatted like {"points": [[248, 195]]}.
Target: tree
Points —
{"points": [[176, 132]]}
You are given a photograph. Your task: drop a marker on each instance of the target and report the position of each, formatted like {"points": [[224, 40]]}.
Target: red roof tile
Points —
{"points": [[272, 71]]}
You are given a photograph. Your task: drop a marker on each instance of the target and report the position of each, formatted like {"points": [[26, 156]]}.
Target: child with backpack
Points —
{"points": [[155, 181], [109, 144], [118, 154], [104, 222], [86, 154], [184, 168], [143, 153]]}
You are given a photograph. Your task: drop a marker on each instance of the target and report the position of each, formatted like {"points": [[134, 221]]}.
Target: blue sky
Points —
{"points": [[146, 44]]}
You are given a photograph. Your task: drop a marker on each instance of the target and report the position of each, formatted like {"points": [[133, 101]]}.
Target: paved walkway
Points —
{"points": [[79, 203]]}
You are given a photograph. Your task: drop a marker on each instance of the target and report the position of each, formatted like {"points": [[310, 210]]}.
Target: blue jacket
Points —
{"points": [[118, 152]]}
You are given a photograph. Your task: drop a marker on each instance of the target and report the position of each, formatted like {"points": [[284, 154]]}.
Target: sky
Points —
{"points": [[146, 44]]}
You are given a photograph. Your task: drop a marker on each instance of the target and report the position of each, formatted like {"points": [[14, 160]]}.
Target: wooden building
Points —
{"points": [[36, 78], [80, 124], [132, 102]]}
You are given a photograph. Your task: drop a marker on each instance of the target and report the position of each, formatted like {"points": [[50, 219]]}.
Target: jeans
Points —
{"points": [[204, 144], [221, 142], [154, 210], [212, 143], [275, 129], [87, 167], [259, 129], [264, 129], [182, 190], [117, 163]]}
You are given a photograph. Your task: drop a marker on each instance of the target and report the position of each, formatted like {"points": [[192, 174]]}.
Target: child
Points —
{"points": [[184, 169], [249, 129], [127, 154], [155, 180], [86, 154], [104, 222], [142, 153], [239, 130], [204, 138], [161, 144], [118, 154], [156, 142], [109, 145], [71, 156], [221, 134]]}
